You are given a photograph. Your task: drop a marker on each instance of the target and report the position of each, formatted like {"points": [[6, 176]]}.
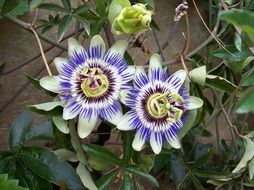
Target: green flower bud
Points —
{"points": [[132, 19]]}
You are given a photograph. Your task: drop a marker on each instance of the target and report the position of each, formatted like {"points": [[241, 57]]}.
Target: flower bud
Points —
{"points": [[132, 19]]}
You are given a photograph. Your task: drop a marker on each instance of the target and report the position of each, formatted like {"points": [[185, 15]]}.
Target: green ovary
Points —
{"points": [[94, 82]]}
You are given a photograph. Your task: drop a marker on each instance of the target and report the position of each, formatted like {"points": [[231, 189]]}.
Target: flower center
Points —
{"points": [[159, 106], [94, 82]]}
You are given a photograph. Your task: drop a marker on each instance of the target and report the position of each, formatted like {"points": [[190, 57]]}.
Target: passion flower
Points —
{"points": [[158, 103], [89, 83]]}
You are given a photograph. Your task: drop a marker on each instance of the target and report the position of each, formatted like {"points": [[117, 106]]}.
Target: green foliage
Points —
{"points": [[9, 184], [225, 69]]}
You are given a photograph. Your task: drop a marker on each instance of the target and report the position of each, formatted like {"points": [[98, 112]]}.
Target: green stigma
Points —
{"points": [[94, 82], [159, 106]]}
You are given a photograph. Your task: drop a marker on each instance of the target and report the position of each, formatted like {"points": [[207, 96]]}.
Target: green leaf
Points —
{"points": [[248, 78], [96, 26], [161, 160], [36, 3], [150, 3], [251, 169], [66, 4], [101, 153], [45, 164], [248, 155], [198, 75], [235, 55], [98, 164], [147, 162], [240, 18], [53, 7], [246, 103], [9, 6], [42, 131], [220, 83], [201, 161], [101, 7], [188, 124], [85, 177], [238, 42], [8, 165], [65, 155], [20, 9], [64, 26], [29, 179], [61, 124], [36, 83], [107, 180], [229, 2], [81, 9], [213, 175], [144, 174], [49, 108], [126, 183], [115, 8], [128, 58], [9, 184], [176, 168], [19, 129], [46, 29], [154, 25], [196, 183], [85, 23]]}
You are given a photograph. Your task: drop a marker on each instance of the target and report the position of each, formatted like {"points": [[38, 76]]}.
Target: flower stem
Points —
{"points": [[75, 141], [41, 50], [159, 46], [231, 126], [187, 40]]}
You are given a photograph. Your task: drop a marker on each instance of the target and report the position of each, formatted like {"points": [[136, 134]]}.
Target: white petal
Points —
{"points": [[98, 41], [155, 62], [174, 143], [69, 112], [156, 146], [128, 74], [74, 45], [59, 62], [51, 83], [140, 70], [138, 142], [86, 125], [119, 47], [124, 123], [180, 76], [123, 96], [116, 116]]}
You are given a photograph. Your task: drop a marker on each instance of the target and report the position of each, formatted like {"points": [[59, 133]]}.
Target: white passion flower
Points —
{"points": [[158, 103], [89, 82]]}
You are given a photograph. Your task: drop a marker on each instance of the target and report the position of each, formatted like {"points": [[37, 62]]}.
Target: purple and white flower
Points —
{"points": [[89, 82], [158, 102]]}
